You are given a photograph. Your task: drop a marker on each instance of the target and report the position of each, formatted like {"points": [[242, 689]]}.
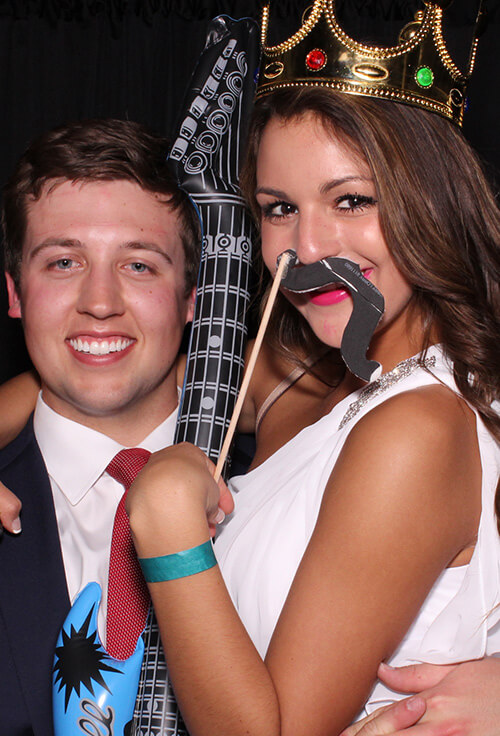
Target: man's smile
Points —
{"points": [[100, 347]]}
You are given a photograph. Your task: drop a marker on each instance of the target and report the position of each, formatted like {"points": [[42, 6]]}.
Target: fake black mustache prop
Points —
{"points": [[367, 310]]}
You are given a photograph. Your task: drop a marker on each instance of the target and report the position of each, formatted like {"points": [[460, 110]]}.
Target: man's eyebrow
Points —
{"points": [[73, 243], [142, 245], [55, 243]]}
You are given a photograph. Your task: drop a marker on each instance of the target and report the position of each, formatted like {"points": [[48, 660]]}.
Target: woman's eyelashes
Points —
{"points": [[346, 203], [277, 210], [355, 202]]}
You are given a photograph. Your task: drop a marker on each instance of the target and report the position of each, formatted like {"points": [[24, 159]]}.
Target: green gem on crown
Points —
{"points": [[424, 76]]}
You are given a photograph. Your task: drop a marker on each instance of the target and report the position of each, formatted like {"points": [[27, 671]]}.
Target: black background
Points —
{"points": [[63, 60]]}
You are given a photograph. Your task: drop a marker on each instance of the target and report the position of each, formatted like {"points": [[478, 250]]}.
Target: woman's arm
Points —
{"points": [[463, 698], [397, 509], [17, 401], [10, 507]]}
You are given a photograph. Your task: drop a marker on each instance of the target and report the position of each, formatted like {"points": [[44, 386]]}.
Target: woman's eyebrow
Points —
{"points": [[278, 193], [324, 189], [333, 183]]}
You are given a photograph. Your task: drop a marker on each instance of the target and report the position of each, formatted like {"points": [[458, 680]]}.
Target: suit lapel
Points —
{"points": [[33, 592]]}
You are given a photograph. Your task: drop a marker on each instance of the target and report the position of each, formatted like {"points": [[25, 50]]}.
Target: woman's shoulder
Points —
{"points": [[425, 415], [427, 433], [415, 453]]}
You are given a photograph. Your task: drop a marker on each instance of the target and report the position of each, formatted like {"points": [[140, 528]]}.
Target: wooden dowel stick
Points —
{"points": [[284, 260]]}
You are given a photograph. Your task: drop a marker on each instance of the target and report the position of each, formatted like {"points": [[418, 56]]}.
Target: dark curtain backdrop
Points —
{"points": [[72, 59]]}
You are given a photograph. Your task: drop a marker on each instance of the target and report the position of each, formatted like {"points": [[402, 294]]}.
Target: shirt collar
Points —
{"points": [[76, 456]]}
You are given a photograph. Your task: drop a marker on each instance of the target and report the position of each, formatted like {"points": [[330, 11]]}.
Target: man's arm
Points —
{"points": [[460, 699]]}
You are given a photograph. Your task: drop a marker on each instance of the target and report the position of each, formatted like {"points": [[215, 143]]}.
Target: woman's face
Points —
{"points": [[318, 197]]}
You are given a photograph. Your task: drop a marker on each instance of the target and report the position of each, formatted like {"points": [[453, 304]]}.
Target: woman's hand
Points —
{"points": [[10, 508], [461, 698], [174, 501]]}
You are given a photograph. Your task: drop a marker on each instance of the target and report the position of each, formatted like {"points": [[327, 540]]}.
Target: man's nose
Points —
{"points": [[315, 238], [101, 293]]}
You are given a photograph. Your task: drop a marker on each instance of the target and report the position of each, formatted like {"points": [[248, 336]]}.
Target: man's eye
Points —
{"points": [[63, 264], [139, 267]]}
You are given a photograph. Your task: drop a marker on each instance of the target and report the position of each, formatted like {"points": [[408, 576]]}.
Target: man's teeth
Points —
{"points": [[103, 347]]}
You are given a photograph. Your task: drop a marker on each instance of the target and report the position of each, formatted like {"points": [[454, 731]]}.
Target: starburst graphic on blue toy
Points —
{"points": [[92, 692], [80, 660]]}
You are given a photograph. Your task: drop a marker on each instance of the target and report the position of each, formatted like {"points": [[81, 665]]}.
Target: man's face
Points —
{"points": [[102, 299]]}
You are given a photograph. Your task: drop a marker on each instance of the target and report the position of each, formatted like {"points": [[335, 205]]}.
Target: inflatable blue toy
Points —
{"points": [[93, 693]]}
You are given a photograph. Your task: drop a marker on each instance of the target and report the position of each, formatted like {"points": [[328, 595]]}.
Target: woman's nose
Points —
{"points": [[316, 238]]}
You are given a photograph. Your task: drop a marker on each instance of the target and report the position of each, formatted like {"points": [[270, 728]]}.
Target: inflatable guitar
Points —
{"points": [[92, 692], [206, 157]]}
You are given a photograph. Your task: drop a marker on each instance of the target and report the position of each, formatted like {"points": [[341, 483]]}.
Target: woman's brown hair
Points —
{"points": [[439, 218]]}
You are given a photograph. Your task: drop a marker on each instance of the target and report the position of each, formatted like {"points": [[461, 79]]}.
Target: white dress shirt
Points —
{"points": [[85, 496]]}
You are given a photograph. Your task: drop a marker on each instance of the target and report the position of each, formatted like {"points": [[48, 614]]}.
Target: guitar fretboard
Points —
{"points": [[215, 357]]}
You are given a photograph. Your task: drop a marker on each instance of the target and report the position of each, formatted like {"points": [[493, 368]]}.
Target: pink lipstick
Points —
{"points": [[332, 296], [335, 295]]}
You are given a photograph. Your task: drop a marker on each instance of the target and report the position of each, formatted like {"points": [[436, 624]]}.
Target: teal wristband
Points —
{"points": [[179, 565]]}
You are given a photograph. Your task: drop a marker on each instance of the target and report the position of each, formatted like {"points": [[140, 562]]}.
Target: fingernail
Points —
{"points": [[384, 666], [16, 526], [415, 703], [220, 516]]}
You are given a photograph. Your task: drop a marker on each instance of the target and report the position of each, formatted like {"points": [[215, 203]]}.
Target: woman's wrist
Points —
{"points": [[169, 501], [181, 564], [177, 524]]}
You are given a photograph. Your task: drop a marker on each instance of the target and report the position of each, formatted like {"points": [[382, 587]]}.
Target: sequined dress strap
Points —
{"points": [[386, 380]]}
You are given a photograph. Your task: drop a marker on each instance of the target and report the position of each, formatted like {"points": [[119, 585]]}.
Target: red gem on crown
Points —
{"points": [[316, 60]]}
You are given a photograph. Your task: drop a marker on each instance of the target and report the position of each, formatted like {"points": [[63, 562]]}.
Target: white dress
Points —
{"points": [[277, 504]]}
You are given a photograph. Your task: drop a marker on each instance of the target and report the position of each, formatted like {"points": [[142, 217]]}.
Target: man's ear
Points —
{"points": [[190, 310], [14, 299]]}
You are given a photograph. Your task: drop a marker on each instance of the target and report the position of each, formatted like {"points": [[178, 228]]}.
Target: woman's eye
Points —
{"points": [[277, 210], [354, 202]]}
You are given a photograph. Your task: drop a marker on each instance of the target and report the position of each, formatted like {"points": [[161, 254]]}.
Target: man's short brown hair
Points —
{"points": [[95, 150]]}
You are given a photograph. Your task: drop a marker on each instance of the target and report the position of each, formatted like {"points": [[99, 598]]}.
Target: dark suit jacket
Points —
{"points": [[33, 595]]}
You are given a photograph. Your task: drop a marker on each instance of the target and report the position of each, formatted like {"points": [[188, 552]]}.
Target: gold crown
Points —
{"points": [[418, 71]]}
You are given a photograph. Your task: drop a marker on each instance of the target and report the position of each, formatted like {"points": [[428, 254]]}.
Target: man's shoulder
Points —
{"points": [[23, 470], [24, 443]]}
